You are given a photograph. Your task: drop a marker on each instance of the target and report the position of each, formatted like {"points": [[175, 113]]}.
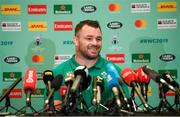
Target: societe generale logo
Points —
{"points": [[37, 26], [63, 25], [166, 6], [115, 58], [13, 9]]}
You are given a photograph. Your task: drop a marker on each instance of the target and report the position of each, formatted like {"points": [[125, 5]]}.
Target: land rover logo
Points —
{"points": [[88, 8], [167, 57], [11, 59], [114, 25]]}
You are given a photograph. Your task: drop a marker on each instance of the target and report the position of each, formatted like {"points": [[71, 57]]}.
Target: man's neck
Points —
{"points": [[84, 61]]}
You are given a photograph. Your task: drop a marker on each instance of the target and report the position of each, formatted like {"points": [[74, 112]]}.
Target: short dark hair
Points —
{"points": [[92, 23]]}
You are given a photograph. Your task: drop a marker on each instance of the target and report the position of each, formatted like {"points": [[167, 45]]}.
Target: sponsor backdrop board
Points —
{"points": [[39, 34]]}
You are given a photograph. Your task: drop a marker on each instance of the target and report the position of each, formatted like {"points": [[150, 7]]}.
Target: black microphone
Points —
{"points": [[82, 79], [158, 78], [48, 78], [56, 83], [11, 87]]}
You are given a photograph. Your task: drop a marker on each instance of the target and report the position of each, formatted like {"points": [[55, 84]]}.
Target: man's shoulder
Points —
{"points": [[63, 64]]}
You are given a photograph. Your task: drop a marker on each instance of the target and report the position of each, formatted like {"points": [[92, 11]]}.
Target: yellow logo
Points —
{"points": [[167, 6], [10, 9], [37, 26]]}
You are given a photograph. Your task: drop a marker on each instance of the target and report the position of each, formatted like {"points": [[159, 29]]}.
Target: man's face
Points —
{"points": [[88, 42]]}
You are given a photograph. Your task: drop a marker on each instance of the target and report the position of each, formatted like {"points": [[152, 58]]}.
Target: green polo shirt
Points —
{"points": [[99, 69]]}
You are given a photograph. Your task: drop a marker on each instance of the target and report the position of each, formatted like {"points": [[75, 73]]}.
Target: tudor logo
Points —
{"points": [[167, 57], [114, 25], [88, 8]]}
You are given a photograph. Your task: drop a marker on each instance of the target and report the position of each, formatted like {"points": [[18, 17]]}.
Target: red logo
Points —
{"points": [[15, 93], [37, 9], [140, 23], [63, 26], [115, 58]]}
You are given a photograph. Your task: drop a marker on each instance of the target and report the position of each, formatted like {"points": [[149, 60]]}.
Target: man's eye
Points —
{"points": [[88, 38], [98, 39]]}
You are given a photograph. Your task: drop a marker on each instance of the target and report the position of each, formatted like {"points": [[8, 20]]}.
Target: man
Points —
{"points": [[88, 44]]}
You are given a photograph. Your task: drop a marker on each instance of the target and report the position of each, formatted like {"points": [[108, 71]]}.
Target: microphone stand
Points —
{"points": [[144, 90], [164, 104], [133, 100], [83, 105], [28, 104], [7, 104]]}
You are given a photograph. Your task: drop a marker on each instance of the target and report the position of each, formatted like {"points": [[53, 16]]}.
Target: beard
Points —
{"points": [[86, 54]]}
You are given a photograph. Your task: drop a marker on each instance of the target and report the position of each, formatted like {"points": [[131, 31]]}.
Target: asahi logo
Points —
{"points": [[167, 57], [88, 8], [11, 59], [114, 25]]}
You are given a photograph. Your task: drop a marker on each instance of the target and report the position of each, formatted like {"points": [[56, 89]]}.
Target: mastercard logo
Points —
{"points": [[140, 23], [114, 7], [37, 58]]}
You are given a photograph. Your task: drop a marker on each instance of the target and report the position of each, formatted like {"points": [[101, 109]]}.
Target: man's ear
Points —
{"points": [[75, 40]]}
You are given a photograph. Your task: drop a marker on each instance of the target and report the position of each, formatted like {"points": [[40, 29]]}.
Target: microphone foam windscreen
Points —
{"points": [[57, 81], [30, 79], [112, 76], [128, 76], [47, 76], [142, 77]]}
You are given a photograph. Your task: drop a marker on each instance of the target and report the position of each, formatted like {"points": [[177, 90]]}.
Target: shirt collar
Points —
{"points": [[97, 65]]}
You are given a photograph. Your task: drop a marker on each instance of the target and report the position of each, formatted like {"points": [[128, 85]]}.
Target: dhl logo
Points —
{"points": [[166, 6], [37, 26], [10, 9]]}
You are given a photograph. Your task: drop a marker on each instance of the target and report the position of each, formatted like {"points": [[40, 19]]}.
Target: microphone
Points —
{"points": [[143, 80], [130, 78], [68, 81], [48, 78], [94, 100], [98, 88], [11, 87], [82, 80], [159, 78], [63, 90], [113, 82], [56, 83], [30, 79]]}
